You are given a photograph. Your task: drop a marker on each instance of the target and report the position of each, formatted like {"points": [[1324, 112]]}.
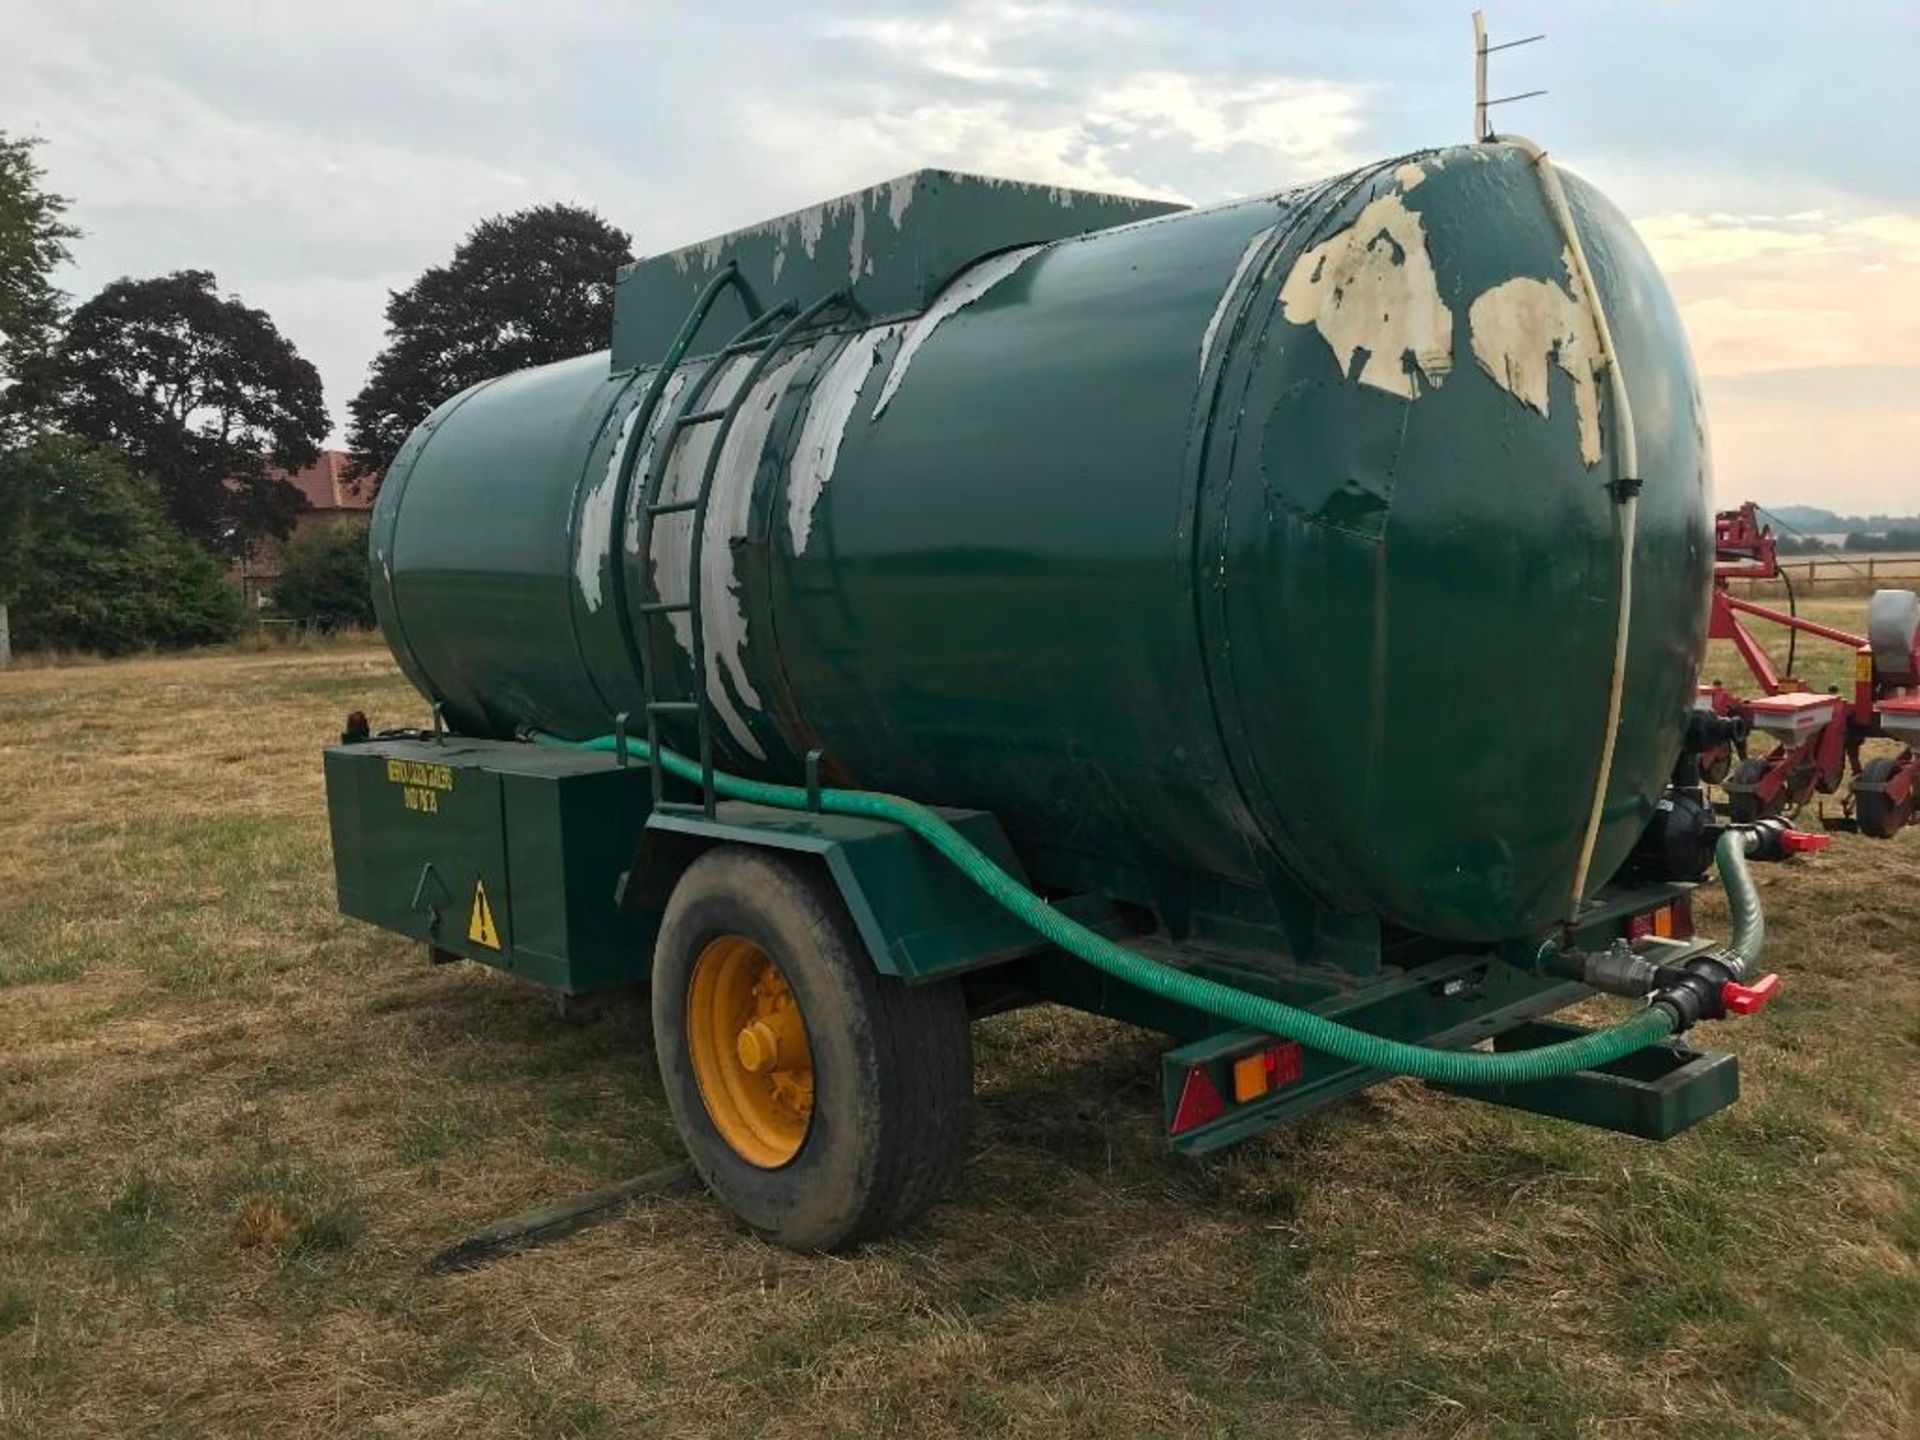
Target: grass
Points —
{"points": [[233, 1124]]}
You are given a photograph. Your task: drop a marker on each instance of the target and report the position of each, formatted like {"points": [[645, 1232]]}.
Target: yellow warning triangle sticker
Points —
{"points": [[480, 928]]}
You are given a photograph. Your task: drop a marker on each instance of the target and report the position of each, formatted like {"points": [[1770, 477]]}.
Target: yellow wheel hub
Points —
{"points": [[748, 1043]]}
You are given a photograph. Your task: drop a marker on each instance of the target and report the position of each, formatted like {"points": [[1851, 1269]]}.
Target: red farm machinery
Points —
{"points": [[1817, 736]]}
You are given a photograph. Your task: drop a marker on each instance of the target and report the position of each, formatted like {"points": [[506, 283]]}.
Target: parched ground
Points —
{"points": [[232, 1125]]}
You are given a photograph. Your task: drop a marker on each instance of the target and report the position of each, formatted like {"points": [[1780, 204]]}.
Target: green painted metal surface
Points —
{"points": [[1226, 597], [421, 828], [1454, 1002], [1653, 1094], [892, 247], [918, 916]]}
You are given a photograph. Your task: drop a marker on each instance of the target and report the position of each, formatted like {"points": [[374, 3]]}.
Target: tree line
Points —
{"points": [[144, 433], [1855, 542]]}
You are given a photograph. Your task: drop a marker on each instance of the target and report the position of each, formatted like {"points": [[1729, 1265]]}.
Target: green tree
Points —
{"points": [[198, 391], [522, 289], [103, 569], [33, 242], [1891, 541], [324, 579], [16, 515], [16, 510]]}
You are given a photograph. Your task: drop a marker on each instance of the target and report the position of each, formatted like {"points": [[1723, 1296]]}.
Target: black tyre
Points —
{"points": [[1876, 815], [822, 1102], [1743, 806], [1716, 764]]}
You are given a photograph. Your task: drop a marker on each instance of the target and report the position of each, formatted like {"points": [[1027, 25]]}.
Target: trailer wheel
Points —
{"points": [[1876, 815], [822, 1102]]}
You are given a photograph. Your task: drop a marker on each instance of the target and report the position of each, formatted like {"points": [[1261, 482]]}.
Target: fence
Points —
{"points": [[1843, 573]]}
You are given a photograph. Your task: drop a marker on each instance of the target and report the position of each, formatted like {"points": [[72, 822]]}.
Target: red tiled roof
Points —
{"points": [[325, 485]]}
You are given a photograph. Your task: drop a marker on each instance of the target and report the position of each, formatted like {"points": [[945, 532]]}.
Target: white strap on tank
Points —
{"points": [[1626, 467]]}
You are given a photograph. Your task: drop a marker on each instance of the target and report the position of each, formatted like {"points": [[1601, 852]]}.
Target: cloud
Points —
{"points": [[313, 228], [315, 160], [1043, 92], [1843, 437], [1806, 330], [1777, 292], [1691, 242]]}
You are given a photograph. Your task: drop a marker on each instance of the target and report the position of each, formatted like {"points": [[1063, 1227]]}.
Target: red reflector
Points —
{"points": [[1283, 1064], [1639, 927], [1747, 999], [1803, 842], [1682, 918], [1199, 1101]]}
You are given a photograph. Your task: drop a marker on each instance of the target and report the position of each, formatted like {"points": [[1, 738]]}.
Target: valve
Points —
{"points": [[1738, 999], [1709, 988], [1775, 839]]}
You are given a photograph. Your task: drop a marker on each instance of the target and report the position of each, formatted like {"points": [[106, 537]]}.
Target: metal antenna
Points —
{"points": [[1481, 129]]}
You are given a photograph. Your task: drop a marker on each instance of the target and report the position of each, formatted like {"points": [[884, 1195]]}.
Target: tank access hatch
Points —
{"points": [[892, 247]]}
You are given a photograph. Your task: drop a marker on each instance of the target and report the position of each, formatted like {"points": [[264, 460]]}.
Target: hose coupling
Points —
{"points": [[1709, 987], [1613, 971]]}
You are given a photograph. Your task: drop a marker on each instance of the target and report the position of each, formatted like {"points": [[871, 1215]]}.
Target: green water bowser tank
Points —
{"points": [[1222, 552]]}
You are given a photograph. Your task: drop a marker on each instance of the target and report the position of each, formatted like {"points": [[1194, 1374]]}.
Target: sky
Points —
{"points": [[317, 157]]}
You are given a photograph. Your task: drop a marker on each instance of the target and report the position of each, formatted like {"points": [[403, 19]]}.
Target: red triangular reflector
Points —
{"points": [[1199, 1101]]}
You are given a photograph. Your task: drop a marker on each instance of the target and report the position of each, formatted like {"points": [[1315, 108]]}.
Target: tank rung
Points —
{"points": [[673, 507], [748, 347], [674, 707], [665, 607], [700, 417]]}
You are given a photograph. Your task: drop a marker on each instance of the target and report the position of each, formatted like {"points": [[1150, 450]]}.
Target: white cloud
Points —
{"points": [[965, 90], [1691, 242], [314, 160], [315, 230], [1806, 330], [1761, 293]]}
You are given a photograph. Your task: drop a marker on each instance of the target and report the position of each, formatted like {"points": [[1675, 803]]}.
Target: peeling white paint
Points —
{"points": [[857, 249], [644, 460], [1371, 287], [1521, 324], [813, 223], [962, 292], [899, 199], [1407, 176], [593, 536], [1247, 257], [802, 227], [721, 609], [829, 409]]}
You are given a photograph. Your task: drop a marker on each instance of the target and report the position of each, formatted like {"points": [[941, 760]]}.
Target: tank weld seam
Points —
{"points": [[1264, 827]]}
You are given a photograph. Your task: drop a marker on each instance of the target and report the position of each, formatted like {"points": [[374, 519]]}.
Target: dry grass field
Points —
{"points": [[232, 1125]]}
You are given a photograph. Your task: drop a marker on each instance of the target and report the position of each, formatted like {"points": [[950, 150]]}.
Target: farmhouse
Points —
{"points": [[331, 500]]}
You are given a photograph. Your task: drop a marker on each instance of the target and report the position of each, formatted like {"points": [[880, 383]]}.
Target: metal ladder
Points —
{"points": [[756, 338]]}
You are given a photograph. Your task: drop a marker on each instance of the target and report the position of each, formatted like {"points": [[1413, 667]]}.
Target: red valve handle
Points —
{"points": [[1748, 999], [1803, 842]]}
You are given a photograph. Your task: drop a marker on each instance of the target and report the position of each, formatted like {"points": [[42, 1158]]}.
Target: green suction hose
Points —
{"points": [[1253, 1012], [1743, 902]]}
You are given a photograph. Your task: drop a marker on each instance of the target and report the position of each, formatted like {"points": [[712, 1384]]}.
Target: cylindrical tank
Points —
{"points": [[1276, 535]]}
